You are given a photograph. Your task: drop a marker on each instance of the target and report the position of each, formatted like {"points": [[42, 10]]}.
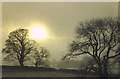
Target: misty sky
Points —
{"points": [[59, 19]]}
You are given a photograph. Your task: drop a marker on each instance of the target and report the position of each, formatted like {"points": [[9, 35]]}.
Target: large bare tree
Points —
{"points": [[99, 38], [18, 46]]}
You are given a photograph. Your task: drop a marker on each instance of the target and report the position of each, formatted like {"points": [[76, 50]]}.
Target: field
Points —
{"points": [[40, 72]]}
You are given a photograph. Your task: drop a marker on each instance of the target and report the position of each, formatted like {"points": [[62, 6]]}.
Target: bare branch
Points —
{"points": [[114, 56]]}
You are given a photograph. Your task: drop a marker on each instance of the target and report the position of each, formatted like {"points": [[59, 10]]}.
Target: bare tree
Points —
{"points": [[18, 46], [41, 57], [99, 38]]}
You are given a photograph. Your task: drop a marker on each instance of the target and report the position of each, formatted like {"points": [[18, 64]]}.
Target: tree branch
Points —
{"points": [[114, 56]]}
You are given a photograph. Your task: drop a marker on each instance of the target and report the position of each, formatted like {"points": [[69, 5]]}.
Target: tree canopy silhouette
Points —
{"points": [[18, 46], [41, 57], [99, 38]]}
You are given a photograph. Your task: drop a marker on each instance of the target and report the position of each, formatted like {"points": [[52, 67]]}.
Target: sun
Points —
{"points": [[38, 33]]}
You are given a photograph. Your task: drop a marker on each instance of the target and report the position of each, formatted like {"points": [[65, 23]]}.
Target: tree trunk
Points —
{"points": [[106, 68], [21, 64], [36, 65], [21, 61], [100, 70], [22, 55]]}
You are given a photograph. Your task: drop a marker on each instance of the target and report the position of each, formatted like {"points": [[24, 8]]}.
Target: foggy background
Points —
{"points": [[59, 19]]}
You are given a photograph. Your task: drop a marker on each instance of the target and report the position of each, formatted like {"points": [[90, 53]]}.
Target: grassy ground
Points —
{"points": [[39, 72]]}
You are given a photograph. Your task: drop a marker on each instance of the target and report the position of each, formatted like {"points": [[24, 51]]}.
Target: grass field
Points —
{"points": [[40, 72]]}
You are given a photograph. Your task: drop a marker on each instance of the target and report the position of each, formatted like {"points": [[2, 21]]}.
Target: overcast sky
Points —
{"points": [[59, 19]]}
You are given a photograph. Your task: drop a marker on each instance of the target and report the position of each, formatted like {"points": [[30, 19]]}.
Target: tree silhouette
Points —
{"points": [[99, 38], [40, 56], [18, 46]]}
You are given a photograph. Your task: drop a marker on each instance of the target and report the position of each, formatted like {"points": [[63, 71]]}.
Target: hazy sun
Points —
{"points": [[38, 33]]}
